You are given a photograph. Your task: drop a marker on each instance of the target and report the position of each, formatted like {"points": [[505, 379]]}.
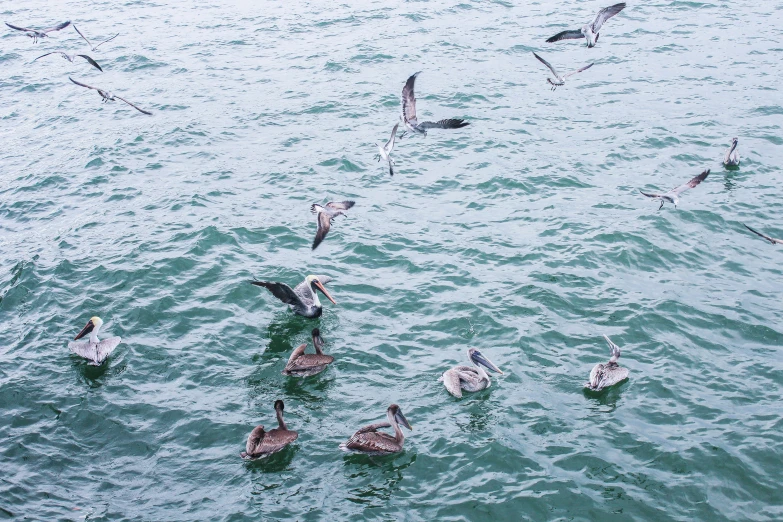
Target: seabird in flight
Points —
{"points": [[95, 47], [384, 151], [590, 31], [107, 96], [770, 239], [560, 80], [35, 34], [325, 215], [72, 57], [409, 113], [673, 195]]}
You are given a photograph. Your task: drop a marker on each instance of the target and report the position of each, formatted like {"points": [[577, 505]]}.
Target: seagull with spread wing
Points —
{"points": [[325, 215], [673, 195], [590, 31], [409, 113], [107, 96], [35, 34], [559, 80], [72, 57], [770, 239], [384, 151], [95, 47]]}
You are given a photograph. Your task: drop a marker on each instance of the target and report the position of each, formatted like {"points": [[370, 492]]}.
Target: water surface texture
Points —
{"points": [[523, 235]]}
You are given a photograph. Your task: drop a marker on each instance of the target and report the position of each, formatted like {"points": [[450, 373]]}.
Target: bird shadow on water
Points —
{"points": [[274, 463], [379, 489], [606, 398], [729, 178], [97, 376], [283, 330], [300, 388]]}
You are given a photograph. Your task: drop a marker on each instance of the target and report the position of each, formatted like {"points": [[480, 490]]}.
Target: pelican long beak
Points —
{"points": [[402, 420], [479, 358], [322, 288], [87, 329]]}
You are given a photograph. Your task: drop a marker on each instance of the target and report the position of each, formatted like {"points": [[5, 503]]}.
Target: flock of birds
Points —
{"points": [[303, 298]]}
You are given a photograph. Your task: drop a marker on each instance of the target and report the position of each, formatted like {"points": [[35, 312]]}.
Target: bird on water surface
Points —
{"points": [[370, 441], [469, 378], [303, 299], [302, 364], [732, 158], [609, 374], [262, 443], [94, 350]]}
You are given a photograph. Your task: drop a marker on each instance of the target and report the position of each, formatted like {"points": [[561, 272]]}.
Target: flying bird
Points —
{"points": [[467, 378], [609, 374], [732, 159], [72, 57], [107, 96], [590, 31], [370, 441], [384, 151], [95, 47], [302, 364], [770, 239], [94, 350], [673, 195], [325, 215], [303, 300], [35, 34], [409, 113], [262, 443], [559, 80]]}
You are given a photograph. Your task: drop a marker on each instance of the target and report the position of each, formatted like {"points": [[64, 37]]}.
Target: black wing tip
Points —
{"points": [[348, 204], [258, 283]]}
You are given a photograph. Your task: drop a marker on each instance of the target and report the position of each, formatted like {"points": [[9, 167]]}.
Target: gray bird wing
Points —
{"points": [[549, 65], [578, 70], [275, 440], [56, 27], [295, 355], [82, 84], [254, 440], [605, 14], [340, 205], [19, 28], [106, 40], [324, 224], [95, 64], [451, 123], [85, 38], [650, 195], [409, 100], [129, 103], [107, 346], [390, 144], [282, 291], [566, 35], [53, 52], [692, 183], [452, 382], [770, 239], [308, 361]]}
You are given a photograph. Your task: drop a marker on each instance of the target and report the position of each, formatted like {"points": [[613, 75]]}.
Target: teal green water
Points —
{"points": [[523, 235]]}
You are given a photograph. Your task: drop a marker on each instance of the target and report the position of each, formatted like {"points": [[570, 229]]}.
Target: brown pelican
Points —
{"points": [[262, 443], [370, 441], [731, 159], [673, 195], [107, 96], [94, 350], [36, 34], [409, 113], [560, 80], [609, 374], [71, 58], [590, 31], [95, 47], [302, 364], [303, 299], [468, 378], [384, 151], [770, 239], [325, 215]]}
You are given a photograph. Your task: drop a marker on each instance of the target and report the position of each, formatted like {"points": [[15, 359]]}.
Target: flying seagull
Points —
{"points": [[95, 47], [770, 239], [560, 80], [409, 113], [35, 34], [590, 31], [731, 159], [673, 195], [72, 57], [325, 216], [384, 151], [107, 96]]}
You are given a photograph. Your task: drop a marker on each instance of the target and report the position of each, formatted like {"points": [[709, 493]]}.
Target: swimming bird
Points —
{"points": [[732, 159], [590, 31], [35, 34], [325, 215], [95, 47], [384, 151], [370, 441], [673, 195], [303, 299], [770, 239], [94, 350], [409, 113], [609, 374], [468, 378], [71, 58], [262, 443], [560, 79], [302, 364], [107, 96]]}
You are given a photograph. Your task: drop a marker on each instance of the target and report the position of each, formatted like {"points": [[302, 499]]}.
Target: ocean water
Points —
{"points": [[523, 234]]}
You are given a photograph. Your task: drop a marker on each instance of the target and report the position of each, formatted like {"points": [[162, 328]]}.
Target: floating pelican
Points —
{"points": [[107, 96], [409, 113], [590, 31], [262, 443], [370, 441], [468, 378], [731, 159], [302, 364], [609, 374], [384, 151], [303, 299], [325, 215], [95, 47], [36, 34], [560, 79], [770, 239], [94, 350], [71, 58], [673, 195]]}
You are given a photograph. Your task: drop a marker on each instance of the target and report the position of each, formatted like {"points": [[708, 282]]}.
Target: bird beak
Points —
{"points": [[322, 288], [486, 362], [87, 329], [402, 420]]}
